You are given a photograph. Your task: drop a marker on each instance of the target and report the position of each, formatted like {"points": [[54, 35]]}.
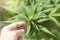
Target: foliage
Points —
{"points": [[41, 16]]}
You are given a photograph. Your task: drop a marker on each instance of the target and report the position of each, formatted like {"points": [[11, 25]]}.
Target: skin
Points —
{"points": [[12, 31]]}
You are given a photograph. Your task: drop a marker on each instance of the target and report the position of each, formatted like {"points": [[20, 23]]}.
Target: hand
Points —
{"points": [[12, 31]]}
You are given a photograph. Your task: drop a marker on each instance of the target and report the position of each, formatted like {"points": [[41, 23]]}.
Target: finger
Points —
{"points": [[14, 26], [20, 32]]}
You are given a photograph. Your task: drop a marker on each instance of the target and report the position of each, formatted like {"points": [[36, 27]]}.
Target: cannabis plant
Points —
{"points": [[39, 15]]}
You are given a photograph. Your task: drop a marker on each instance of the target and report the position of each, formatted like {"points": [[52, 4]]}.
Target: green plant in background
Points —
{"points": [[41, 16]]}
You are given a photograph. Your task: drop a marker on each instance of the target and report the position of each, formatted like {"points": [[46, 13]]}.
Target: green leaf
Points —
{"points": [[53, 11], [56, 14], [42, 20], [58, 5], [23, 9], [47, 10], [35, 26], [46, 30], [31, 32], [46, 2], [10, 9], [56, 1], [16, 18], [55, 21], [39, 15], [39, 8], [49, 6], [28, 30], [33, 9]]}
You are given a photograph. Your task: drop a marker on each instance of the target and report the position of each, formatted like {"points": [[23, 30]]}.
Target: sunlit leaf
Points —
{"points": [[42, 20], [55, 20], [53, 11], [10, 9], [39, 15], [56, 14], [47, 10]]}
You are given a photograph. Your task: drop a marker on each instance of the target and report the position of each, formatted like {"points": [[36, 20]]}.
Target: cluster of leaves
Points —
{"points": [[38, 14]]}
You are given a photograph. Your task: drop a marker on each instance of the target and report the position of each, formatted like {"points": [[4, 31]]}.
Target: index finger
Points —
{"points": [[14, 26]]}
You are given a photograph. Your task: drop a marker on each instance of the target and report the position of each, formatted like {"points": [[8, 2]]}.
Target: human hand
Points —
{"points": [[12, 31]]}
